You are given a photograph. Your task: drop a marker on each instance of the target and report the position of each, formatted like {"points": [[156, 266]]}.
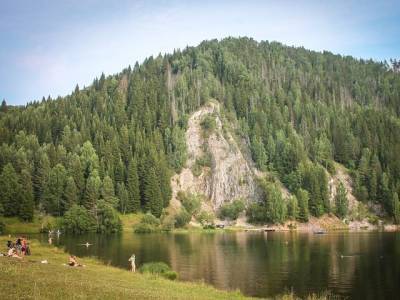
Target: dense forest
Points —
{"points": [[115, 144]]}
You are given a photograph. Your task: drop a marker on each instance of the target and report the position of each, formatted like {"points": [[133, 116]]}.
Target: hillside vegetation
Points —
{"points": [[115, 144]]}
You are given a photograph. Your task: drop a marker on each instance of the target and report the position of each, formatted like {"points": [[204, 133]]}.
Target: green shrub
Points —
{"points": [[256, 213], [205, 218], [373, 219], [168, 223], [209, 226], [147, 224], [182, 218], [200, 163], [158, 268], [78, 220], [190, 202], [208, 125], [232, 210], [171, 275], [144, 228], [108, 220], [150, 220]]}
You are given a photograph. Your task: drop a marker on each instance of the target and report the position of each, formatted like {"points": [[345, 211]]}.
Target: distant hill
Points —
{"points": [[297, 112]]}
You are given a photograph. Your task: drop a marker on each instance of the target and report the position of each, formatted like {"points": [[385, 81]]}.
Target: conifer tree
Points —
{"points": [[123, 197], [77, 172], [70, 193], [108, 193], [293, 207], [341, 201], [9, 190], [92, 191], [302, 198], [27, 204], [133, 188], [396, 208], [152, 193], [53, 200], [41, 175]]}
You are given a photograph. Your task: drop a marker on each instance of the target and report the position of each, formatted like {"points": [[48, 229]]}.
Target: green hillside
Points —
{"points": [[115, 144]]}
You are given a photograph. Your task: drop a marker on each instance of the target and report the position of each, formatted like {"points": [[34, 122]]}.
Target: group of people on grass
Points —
{"points": [[19, 248]]}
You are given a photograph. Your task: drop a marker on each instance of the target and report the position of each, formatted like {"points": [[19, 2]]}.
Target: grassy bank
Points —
{"points": [[30, 279], [14, 225]]}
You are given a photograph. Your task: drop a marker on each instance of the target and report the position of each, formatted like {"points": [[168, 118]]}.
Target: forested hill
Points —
{"points": [[118, 142]]}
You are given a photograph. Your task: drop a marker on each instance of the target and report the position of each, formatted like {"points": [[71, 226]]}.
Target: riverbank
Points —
{"points": [[324, 223], [29, 278]]}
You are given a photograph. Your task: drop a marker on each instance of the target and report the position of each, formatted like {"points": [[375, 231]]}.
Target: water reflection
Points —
{"points": [[358, 265]]}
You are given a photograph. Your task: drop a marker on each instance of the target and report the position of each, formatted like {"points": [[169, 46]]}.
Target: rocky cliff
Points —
{"points": [[216, 167]]}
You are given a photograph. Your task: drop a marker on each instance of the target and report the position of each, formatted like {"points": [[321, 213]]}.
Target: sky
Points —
{"points": [[47, 47]]}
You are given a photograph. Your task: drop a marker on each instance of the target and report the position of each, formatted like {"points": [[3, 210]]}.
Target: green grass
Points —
{"points": [[29, 279], [15, 225]]}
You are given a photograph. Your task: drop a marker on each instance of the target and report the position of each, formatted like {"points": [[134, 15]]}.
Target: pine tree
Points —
{"points": [[53, 200], [70, 193], [123, 198], [293, 207], [41, 175], [77, 172], [133, 188], [152, 193], [89, 159], [302, 198], [384, 192], [258, 153], [164, 180], [92, 191], [3, 107], [108, 193], [9, 190], [396, 208], [119, 172], [341, 202], [27, 205]]}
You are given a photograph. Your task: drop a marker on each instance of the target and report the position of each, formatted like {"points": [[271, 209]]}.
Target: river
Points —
{"points": [[356, 265]]}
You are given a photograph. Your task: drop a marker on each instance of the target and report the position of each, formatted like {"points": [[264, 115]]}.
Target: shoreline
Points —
{"points": [[55, 280], [326, 223]]}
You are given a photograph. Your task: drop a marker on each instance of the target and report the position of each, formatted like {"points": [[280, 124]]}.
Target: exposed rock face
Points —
{"points": [[341, 176], [228, 177]]}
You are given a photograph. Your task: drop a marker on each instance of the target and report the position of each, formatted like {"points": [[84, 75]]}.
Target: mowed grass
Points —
{"points": [[30, 279]]}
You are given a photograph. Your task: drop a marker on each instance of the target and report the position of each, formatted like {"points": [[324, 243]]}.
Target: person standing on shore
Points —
{"points": [[133, 265]]}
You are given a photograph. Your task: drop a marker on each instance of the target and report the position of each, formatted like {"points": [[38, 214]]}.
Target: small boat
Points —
{"points": [[269, 229], [320, 232], [220, 225]]}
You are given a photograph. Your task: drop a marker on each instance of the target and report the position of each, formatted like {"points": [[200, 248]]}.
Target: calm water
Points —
{"points": [[263, 264]]}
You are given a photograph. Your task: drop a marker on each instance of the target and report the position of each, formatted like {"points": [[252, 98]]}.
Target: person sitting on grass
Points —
{"points": [[10, 245], [13, 253], [18, 245], [73, 262]]}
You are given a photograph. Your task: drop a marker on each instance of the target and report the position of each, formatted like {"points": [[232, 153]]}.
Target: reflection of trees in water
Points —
{"points": [[261, 263]]}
